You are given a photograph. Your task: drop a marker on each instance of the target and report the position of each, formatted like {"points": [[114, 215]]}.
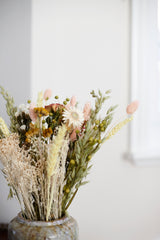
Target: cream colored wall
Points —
{"points": [[78, 46]]}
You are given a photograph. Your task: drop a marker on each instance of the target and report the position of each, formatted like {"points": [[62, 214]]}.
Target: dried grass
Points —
{"points": [[40, 195]]}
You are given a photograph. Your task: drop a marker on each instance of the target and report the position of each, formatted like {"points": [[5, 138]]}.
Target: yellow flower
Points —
{"points": [[47, 132], [41, 111], [32, 132]]}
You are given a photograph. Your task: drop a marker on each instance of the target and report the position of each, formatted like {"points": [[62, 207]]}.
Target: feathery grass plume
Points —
{"points": [[22, 177], [115, 129], [10, 108], [54, 150], [19, 173], [4, 131], [53, 164], [59, 181], [7, 147], [40, 99]]}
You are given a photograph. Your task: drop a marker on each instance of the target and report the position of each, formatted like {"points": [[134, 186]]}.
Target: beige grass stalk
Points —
{"points": [[62, 172], [53, 163], [56, 207], [3, 128], [39, 152], [116, 128], [40, 99]]}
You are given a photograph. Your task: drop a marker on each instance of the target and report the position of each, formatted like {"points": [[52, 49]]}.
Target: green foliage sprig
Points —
{"points": [[82, 150], [10, 108]]}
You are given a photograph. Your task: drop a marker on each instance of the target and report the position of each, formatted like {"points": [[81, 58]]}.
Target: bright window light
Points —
{"points": [[145, 81]]}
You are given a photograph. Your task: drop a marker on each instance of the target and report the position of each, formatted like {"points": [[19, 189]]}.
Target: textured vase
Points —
{"points": [[65, 228]]}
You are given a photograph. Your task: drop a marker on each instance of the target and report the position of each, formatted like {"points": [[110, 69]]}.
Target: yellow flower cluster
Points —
{"points": [[3, 128], [47, 132], [54, 150], [41, 111], [118, 127], [32, 132]]}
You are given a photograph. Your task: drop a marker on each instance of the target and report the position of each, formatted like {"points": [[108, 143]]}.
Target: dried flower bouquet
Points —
{"points": [[47, 150]]}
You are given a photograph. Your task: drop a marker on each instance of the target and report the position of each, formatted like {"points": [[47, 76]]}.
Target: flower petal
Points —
{"points": [[87, 111], [32, 113], [132, 107], [73, 101], [47, 94]]}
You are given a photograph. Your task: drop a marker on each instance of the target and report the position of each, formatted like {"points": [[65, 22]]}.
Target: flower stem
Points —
{"points": [[71, 199]]}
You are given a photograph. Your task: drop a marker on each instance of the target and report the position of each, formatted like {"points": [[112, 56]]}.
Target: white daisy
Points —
{"points": [[73, 117]]}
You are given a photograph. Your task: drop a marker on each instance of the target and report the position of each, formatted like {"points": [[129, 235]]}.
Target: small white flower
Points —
{"points": [[16, 114], [73, 117], [22, 108], [23, 127], [45, 125], [27, 111]]}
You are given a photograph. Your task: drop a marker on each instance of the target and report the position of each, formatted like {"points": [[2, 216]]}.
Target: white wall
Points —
{"points": [[78, 46], [15, 74]]}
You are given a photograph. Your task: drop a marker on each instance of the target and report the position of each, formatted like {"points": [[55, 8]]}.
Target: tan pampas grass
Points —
{"points": [[19, 173], [40, 194], [22, 178], [25, 172], [9, 146]]}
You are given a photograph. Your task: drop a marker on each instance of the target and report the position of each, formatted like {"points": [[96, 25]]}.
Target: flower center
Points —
{"points": [[75, 115]]}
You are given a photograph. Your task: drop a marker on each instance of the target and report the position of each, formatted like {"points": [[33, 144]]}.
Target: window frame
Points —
{"points": [[143, 48]]}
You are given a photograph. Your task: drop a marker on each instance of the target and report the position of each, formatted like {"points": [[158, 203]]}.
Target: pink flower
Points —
{"points": [[32, 113], [73, 135], [72, 102], [132, 107], [47, 94], [54, 107], [87, 111]]}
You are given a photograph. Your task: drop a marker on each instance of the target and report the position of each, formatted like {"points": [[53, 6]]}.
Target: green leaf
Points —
{"points": [[73, 173], [84, 183]]}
